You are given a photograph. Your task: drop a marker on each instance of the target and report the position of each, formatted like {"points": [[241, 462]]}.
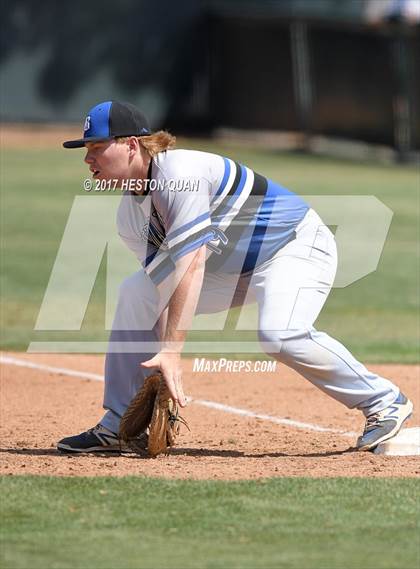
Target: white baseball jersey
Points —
{"points": [[195, 198]]}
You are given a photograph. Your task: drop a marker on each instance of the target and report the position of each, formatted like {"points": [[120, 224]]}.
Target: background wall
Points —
{"points": [[347, 69]]}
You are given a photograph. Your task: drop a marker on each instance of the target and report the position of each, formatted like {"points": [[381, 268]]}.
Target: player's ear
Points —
{"points": [[133, 144]]}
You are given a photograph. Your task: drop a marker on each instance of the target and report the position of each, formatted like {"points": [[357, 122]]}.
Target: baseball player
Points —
{"points": [[210, 234]]}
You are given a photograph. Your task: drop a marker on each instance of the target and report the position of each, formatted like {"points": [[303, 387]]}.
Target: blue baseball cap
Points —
{"points": [[109, 120]]}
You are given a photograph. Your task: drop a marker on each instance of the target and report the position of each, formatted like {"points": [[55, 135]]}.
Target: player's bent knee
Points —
{"points": [[281, 344], [270, 342]]}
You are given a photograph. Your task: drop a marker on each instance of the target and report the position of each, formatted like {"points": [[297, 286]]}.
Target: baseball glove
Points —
{"points": [[151, 408]]}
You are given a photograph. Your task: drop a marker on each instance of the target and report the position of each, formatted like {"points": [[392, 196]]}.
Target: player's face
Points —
{"points": [[107, 160]]}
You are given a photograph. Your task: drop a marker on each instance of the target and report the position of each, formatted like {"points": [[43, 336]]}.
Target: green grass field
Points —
{"points": [[376, 317], [140, 523], [136, 522]]}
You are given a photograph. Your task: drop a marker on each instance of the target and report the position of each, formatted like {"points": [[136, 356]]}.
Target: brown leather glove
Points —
{"points": [[151, 408]]}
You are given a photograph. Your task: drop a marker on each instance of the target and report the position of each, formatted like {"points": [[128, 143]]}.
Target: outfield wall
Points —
{"points": [[241, 65]]}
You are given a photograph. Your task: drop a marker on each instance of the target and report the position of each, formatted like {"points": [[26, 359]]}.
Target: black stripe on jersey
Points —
{"points": [[259, 187], [246, 216], [236, 180]]}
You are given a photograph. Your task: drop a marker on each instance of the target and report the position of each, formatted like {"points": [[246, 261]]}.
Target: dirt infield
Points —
{"points": [[38, 407]]}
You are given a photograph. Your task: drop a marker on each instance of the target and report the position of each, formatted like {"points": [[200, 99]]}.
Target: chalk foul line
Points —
{"points": [[51, 369], [203, 402]]}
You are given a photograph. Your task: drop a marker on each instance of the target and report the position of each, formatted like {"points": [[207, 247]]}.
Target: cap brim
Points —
{"points": [[82, 141]]}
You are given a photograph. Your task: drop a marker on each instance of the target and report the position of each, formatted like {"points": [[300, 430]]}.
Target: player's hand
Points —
{"points": [[169, 364]]}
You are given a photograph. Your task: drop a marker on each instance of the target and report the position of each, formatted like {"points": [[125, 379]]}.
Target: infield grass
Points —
{"points": [[376, 317], [133, 522]]}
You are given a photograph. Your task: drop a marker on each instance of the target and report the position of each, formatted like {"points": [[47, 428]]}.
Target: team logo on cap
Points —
{"points": [[87, 124]]}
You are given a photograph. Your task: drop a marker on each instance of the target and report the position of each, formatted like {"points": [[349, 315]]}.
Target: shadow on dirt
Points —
{"points": [[194, 452]]}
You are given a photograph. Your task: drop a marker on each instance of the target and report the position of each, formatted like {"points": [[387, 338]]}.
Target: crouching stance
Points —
{"points": [[216, 234]]}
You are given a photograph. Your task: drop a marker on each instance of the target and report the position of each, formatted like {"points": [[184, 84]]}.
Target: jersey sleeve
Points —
{"points": [[158, 265], [184, 207]]}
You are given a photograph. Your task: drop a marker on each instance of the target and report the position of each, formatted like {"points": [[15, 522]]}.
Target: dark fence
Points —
{"points": [[346, 80], [307, 66]]}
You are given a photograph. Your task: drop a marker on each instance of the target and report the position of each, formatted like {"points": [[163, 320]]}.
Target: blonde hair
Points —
{"points": [[154, 143]]}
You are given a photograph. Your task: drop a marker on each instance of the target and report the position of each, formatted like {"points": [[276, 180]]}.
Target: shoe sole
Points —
{"points": [[391, 434], [69, 449]]}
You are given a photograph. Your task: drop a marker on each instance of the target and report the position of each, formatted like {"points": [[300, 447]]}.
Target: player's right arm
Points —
{"points": [[188, 275]]}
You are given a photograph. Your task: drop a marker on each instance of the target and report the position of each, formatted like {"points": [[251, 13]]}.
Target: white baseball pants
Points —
{"points": [[290, 290]]}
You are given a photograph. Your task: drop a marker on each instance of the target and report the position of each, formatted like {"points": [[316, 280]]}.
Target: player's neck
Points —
{"points": [[140, 170]]}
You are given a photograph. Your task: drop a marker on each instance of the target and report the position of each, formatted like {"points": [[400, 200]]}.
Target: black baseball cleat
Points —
{"points": [[385, 424], [97, 439]]}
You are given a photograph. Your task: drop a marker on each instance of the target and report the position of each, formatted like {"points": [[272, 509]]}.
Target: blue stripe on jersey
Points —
{"points": [[162, 271], [289, 199], [241, 184], [192, 245], [270, 228], [183, 228], [167, 262], [225, 177], [277, 218], [254, 248]]}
